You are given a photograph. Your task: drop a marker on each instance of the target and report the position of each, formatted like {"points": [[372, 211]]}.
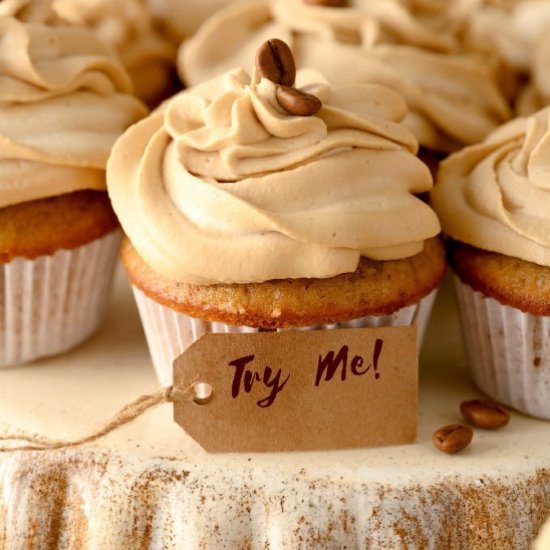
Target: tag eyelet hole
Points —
{"points": [[203, 393]]}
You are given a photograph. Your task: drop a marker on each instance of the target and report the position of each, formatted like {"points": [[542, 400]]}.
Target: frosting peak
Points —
{"points": [[233, 127], [496, 195], [223, 185]]}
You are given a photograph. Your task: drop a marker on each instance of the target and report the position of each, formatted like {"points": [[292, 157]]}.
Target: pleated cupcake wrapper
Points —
{"points": [[170, 333], [508, 351], [52, 303]]}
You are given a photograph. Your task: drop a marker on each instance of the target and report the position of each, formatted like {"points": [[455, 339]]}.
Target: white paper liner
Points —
{"points": [[508, 351], [52, 303], [170, 333]]}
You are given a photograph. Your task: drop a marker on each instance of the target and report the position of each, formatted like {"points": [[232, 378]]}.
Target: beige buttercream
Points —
{"points": [[128, 26], [223, 185], [453, 99], [496, 195], [183, 17], [536, 94], [63, 102], [510, 30]]}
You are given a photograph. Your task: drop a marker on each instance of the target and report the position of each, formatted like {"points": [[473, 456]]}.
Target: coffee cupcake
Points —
{"points": [[129, 27], [453, 99], [64, 100], [251, 206], [493, 200]]}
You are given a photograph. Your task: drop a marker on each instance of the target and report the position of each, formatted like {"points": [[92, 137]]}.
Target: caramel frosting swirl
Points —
{"points": [[63, 102], [224, 186], [535, 95], [496, 195], [453, 99], [368, 22], [512, 30], [183, 18], [128, 26]]}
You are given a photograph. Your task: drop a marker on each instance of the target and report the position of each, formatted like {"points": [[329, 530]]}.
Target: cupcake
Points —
{"points": [[453, 98], [243, 215], [129, 27], [493, 201], [64, 100]]}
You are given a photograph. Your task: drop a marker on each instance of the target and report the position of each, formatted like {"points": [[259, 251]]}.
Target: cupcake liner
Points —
{"points": [[170, 333], [52, 303], [508, 351]]}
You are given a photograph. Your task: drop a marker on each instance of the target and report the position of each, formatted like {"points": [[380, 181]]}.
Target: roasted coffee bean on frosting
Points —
{"points": [[485, 414], [328, 3], [297, 102], [275, 62], [452, 439]]}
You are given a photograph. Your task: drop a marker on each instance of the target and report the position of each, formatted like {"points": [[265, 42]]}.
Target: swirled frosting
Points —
{"points": [[536, 94], [453, 99], [223, 185], [496, 195], [128, 26], [511, 30], [184, 17], [64, 99]]}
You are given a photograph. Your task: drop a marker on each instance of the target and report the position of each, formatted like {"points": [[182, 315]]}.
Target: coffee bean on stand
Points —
{"points": [[485, 414], [297, 102], [274, 61], [452, 439]]}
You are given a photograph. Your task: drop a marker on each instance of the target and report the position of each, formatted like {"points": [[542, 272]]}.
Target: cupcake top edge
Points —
{"points": [[230, 182], [496, 195]]}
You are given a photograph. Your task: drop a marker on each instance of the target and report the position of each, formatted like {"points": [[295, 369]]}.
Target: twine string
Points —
{"points": [[127, 414]]}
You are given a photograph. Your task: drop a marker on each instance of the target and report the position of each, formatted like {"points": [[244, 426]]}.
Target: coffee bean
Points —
{"points": [[275, 62], [484, 413], [452, 439], [297, 102], [328, 3]]}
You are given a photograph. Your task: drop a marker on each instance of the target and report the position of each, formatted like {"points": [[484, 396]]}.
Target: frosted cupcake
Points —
{"points": [[129, 27], [242, 217], [493, 200], [453, 99], [63, 102]]}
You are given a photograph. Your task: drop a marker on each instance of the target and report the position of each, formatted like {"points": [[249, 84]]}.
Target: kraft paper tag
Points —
{"points": [[300, 391]]}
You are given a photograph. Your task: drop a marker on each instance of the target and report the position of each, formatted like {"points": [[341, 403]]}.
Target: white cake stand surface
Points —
{"points": [[148, 485]]}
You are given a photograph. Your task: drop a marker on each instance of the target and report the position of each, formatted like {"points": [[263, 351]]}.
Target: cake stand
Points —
{"points": [[148, 485]]}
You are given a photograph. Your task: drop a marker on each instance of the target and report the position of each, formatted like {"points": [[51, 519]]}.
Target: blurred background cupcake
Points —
{"points": [[244, 214], [129, 27], [493, 200], [64, 100], [414, 48]]}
